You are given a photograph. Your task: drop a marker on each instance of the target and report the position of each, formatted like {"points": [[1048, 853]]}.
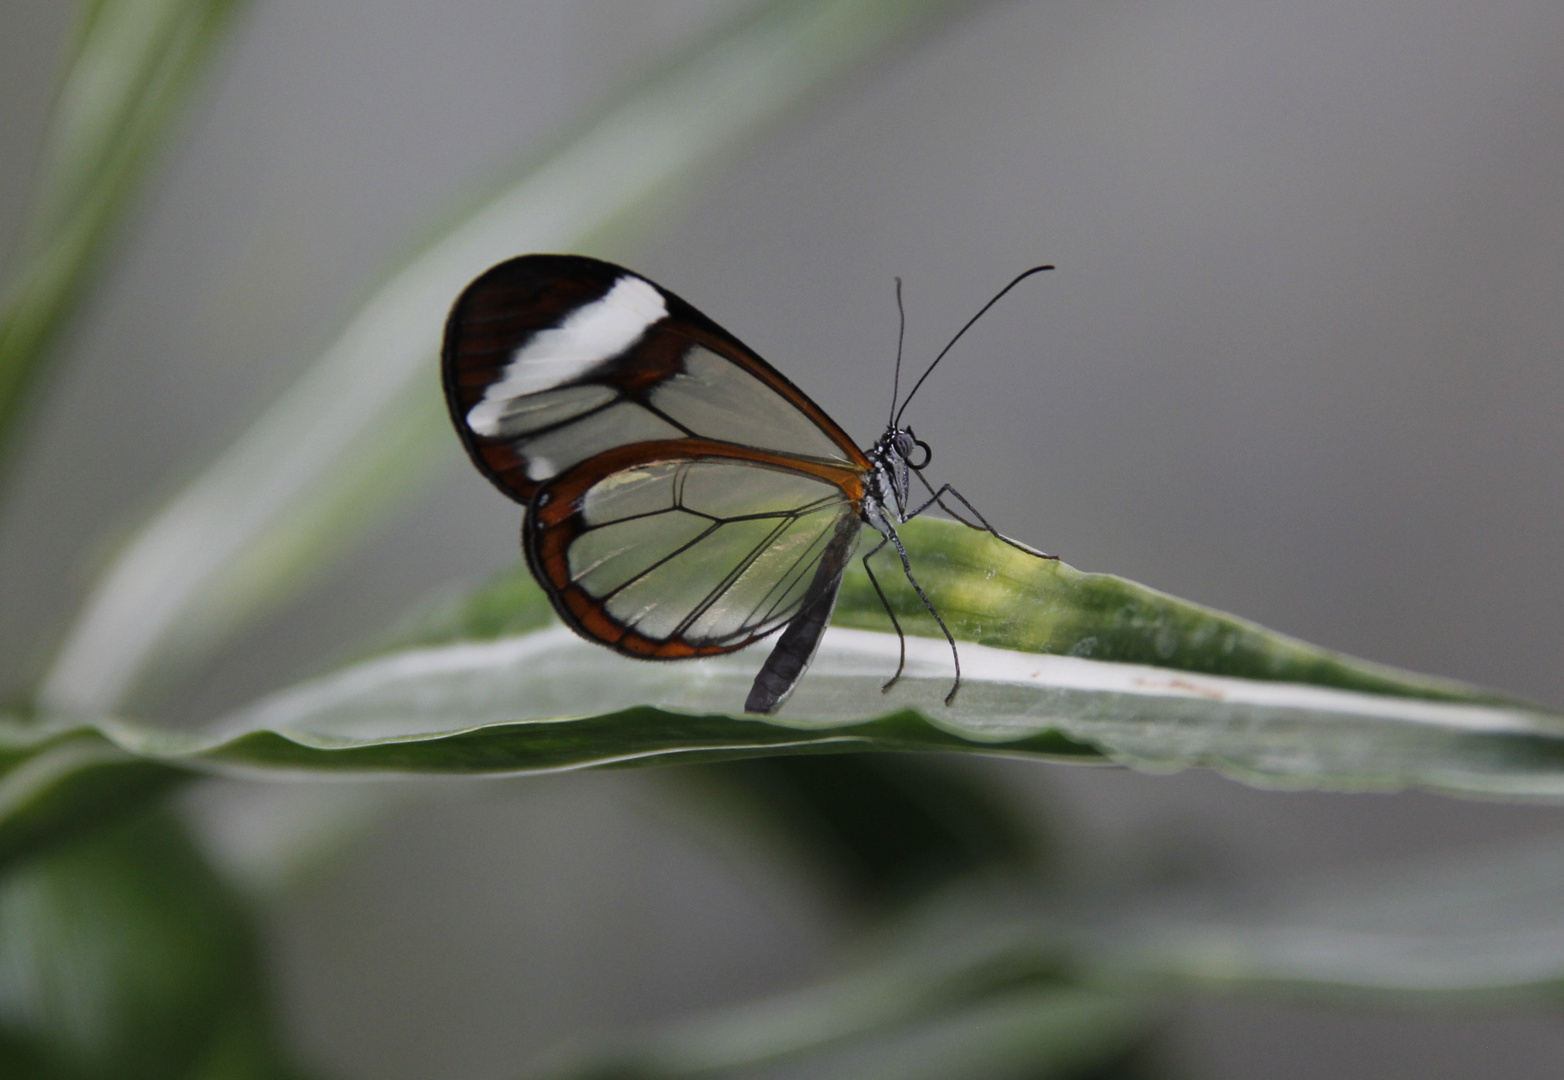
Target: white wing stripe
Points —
{"points": [[591, 335]]}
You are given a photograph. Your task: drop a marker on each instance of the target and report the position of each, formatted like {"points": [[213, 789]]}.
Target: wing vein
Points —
{"points": [[680, 550], [790, 578], [729, 579]]}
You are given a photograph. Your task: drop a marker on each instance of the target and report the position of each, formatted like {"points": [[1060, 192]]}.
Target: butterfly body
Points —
{"points": [[683, 498]]}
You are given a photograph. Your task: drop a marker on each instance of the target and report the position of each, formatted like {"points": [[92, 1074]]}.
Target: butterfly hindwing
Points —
{"points": [[684, 556]]}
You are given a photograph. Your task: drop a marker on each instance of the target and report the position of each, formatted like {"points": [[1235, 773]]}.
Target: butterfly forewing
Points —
{"points": [[681, 492], [553, 359]]}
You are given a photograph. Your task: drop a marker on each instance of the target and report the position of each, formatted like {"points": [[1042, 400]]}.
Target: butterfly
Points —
{"points": [[683, 498]]}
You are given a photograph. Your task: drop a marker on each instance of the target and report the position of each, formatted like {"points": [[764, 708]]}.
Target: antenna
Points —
{"points": [[901, 332], [1019, 278]]}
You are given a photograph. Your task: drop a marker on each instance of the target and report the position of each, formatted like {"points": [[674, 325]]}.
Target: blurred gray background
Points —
{"points": [[1303, 359]]}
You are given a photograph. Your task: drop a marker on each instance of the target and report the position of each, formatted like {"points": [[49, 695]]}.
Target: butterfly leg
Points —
{"points": [[901, 663], [946, 489], [906, 565]]}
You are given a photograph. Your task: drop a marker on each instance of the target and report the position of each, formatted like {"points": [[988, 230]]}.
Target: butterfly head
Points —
{"points": [[896, 456]]}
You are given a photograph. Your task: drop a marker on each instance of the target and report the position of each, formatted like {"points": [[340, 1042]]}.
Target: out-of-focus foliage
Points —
{"points": [[123, 955]]}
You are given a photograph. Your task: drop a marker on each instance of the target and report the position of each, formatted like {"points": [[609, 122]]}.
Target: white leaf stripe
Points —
{"points": [[1136, 713]]}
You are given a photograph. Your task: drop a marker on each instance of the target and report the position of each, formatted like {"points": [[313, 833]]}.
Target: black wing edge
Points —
{"points": [[524, 273]]}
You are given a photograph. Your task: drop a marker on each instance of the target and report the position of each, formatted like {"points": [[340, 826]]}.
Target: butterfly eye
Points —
{"points": [[928, 455]]}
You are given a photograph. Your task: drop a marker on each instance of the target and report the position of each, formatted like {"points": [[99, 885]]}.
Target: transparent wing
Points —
{"points": [[551, 360], [683, 557]]}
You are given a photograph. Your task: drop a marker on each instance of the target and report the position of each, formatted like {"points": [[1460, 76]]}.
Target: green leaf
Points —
{"points": [[123, 956], [1043, 1033], [1028, 1034], [1480, 927], [1486, 925], [964, 982], [1218, 692], [993, 594], [1476, 930], [51, 788], [362, 428], [906, 1011], [133, 63]]}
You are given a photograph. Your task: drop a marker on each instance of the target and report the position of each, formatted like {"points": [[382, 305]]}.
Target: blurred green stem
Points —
{"points": [[912, 986], [129, 72]]}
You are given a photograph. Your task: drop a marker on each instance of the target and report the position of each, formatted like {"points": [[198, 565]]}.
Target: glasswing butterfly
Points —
{"points": [[683, 498]]}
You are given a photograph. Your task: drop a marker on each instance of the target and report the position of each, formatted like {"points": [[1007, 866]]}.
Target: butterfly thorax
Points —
{"points": [[889, 486]]}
